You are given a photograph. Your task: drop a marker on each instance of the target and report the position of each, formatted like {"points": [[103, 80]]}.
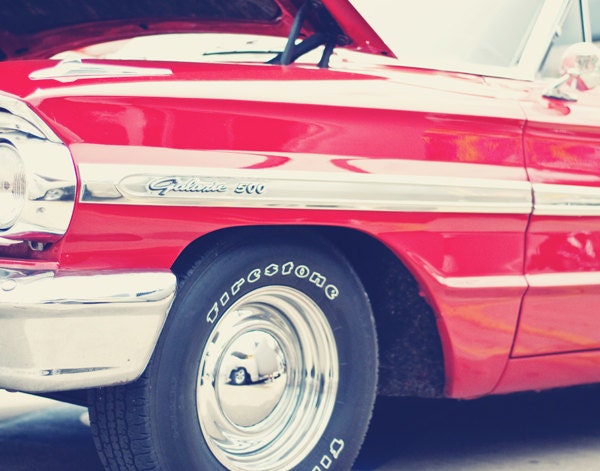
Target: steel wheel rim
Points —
{"points": [[273, 421]]}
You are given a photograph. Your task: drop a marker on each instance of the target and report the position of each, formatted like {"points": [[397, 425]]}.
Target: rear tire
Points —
{"points": [[299, 312]]}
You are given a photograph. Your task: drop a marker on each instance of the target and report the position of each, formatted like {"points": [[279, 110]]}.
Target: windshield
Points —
{"points": [[484, 32]]}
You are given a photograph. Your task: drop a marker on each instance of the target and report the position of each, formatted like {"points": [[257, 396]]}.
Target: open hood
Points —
{"points": [[42, 28]]}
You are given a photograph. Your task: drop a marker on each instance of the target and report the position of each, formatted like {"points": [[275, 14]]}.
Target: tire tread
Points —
{"points": [[119, 424]]}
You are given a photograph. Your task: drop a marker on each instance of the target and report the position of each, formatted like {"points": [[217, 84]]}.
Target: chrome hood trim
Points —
{"points": [[76, 69]]}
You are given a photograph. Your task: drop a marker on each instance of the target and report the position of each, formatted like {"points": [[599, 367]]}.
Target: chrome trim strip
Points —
{"points": [[566, 200], [483, 282], [563, 279], [210, 187], [586, 20], [415, 191], [542, 280], [79, 330]]}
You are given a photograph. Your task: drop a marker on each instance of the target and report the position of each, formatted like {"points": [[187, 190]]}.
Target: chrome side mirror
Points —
{"points": [[580, 66]]}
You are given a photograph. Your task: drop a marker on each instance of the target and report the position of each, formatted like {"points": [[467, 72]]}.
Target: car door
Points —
{"points": [[561, 309]]}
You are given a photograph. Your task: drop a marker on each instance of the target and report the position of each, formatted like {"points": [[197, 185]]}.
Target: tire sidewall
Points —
{"points": [[208, 291]]}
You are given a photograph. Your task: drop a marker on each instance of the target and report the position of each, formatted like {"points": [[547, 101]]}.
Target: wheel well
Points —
{"points": [[410, 351]]}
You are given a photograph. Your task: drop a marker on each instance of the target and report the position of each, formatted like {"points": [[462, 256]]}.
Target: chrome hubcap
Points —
{"points": [[267, 381]]}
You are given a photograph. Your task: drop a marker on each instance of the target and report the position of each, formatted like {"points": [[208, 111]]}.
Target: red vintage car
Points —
{"points": [[225, 226]]}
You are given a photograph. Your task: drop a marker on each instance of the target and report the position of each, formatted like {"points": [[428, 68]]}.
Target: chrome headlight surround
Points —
{"points": [[12, 185], [40, 189]]}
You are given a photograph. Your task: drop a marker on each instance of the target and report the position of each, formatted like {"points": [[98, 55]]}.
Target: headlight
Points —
{"points": [[12, 186], [34, 166]]}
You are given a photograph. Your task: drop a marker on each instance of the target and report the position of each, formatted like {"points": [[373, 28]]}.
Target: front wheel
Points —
{"points": [[294, 319]]}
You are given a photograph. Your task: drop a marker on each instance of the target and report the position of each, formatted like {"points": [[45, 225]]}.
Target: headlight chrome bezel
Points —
{"points": [[49, 177]]}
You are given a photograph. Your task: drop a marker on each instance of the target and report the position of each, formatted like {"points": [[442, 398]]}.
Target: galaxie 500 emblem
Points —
{"points": [[169, 185]]}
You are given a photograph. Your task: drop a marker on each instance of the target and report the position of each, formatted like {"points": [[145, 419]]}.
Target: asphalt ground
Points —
{"points": [[556, 430]]}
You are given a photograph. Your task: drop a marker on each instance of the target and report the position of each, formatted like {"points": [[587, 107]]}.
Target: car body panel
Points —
{"points": [[562, 265], [567, 369], [189, 119]]}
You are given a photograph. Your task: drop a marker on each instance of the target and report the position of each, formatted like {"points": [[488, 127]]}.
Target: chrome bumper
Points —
{"points": [[79, 330]]}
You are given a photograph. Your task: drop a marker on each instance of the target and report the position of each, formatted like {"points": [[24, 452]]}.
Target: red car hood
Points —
{"points": [[41, 28]]}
